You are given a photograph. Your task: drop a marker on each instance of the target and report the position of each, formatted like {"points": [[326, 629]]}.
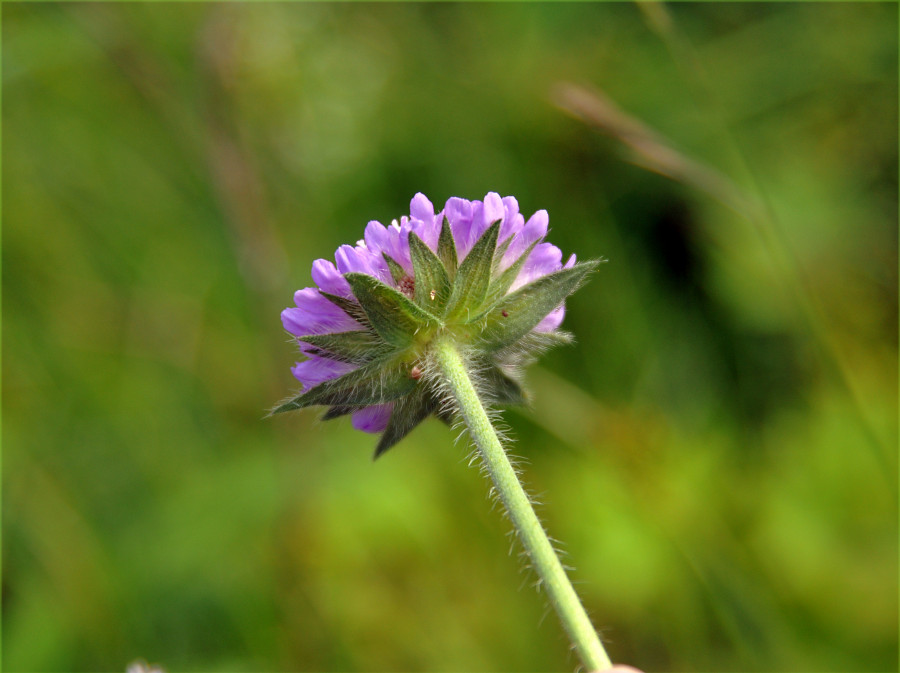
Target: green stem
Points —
{"points": [[543, 557]]}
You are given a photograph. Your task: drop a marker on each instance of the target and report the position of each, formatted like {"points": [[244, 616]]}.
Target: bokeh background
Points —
{"points": [[717, 453]]}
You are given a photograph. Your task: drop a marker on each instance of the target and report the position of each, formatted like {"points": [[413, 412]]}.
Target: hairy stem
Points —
{"points": [[543, 557]]}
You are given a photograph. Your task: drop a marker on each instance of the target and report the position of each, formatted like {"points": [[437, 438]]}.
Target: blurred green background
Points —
{"points": [[718, 452]]}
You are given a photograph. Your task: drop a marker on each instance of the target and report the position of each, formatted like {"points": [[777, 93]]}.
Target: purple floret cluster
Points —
{"points": [[468, 220]]}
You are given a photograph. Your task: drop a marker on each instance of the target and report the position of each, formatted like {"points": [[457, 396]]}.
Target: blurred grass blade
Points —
{"points": [[648, 148]]}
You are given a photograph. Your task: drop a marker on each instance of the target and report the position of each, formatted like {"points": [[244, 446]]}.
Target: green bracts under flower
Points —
{"points": [[407, 329], [404, 289]]}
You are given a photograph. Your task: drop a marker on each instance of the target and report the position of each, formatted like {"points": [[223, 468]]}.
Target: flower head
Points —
{"points": [[476, 272]]}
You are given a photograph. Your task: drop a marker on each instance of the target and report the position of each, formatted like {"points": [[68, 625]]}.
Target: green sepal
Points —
{"points": [[398, 273], [446, 250], [499, 387], [501, 284], [338, 411], [501, 250], [377, 382], [407, 413], [432, 287], [474, 275], [355, 347], [516, 314], [535, 343], [392, 315], [348, 306]]}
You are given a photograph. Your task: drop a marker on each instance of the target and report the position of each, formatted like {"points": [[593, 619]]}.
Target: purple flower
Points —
{"points": [[387, 319]]}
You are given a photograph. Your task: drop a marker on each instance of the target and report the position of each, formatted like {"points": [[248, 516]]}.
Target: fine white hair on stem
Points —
{"points": [[467, 377], [546, 611], [512, 360]]}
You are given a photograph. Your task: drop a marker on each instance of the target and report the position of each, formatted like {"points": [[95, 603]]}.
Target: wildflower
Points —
{"points": [[433, 315], [476, 273]]}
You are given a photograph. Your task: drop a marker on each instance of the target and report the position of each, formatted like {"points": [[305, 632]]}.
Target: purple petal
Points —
{"points": [[493, 208], [424, 222], [314, 371], [533, 230], [545, 258], [458, 210], [552, 321], [374, 418], [479, 226], [429, 231], [362, 260], [481, 216], [400, 242], [459, 214], [555, 317], [315, 315], [511, 205], [376, 237], [329, 279], [349, 260], [536, 227], [380, 269], [512, 220], [420, 208], [392, 241]]}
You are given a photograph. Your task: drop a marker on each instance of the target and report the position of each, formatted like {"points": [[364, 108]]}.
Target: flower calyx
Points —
{"points": [[422, 293]]}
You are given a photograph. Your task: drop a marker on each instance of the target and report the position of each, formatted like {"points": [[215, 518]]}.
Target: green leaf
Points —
{"points": [[518, 313], [501, 284], [348, 306], [474, 275], [538, 342], [392, 315], [398, 273], [408, 412], [355, 347], [338, 411], [377, 382], [446, 251], [432, 283]]}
